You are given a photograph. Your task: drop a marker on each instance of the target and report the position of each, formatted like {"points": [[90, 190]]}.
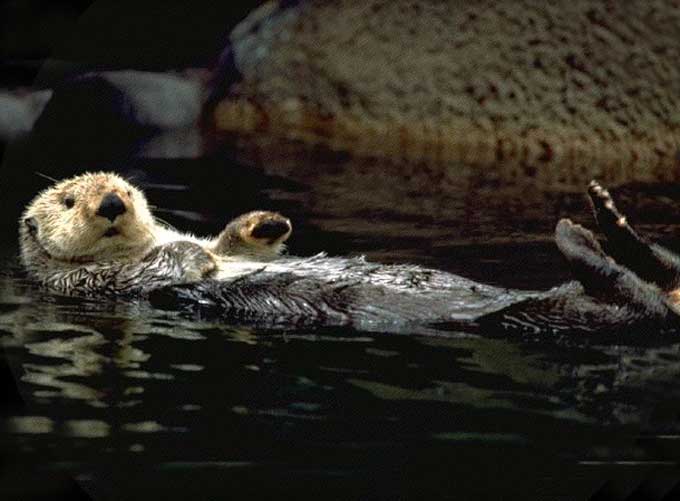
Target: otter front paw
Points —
{"points": [[193, 260], [267, 228], [258, 234], [199, 265]]}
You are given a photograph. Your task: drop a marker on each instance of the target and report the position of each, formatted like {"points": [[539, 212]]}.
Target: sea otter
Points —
{"points": [[94, 235]]}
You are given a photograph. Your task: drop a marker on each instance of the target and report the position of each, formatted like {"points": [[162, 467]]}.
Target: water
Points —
{"points": [[119, 401]]}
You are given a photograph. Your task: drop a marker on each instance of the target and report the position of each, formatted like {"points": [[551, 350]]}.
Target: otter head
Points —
{"points": [[93, 217]]}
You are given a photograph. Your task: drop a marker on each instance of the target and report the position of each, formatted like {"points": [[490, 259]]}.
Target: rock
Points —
{"points": [[589, 87], [157, 100], [104, 117], [18, 112]]}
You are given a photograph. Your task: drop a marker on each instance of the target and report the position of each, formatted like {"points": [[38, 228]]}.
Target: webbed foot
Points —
{"points": [[612, 223], [604, 278], [587, 260], [650, 261]]}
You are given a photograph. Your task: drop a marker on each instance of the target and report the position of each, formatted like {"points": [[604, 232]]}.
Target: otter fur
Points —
{"points": [[95, 235]]}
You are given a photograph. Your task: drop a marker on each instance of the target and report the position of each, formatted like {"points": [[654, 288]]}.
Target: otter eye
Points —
{"points": [[129, 193], [69, 202]]}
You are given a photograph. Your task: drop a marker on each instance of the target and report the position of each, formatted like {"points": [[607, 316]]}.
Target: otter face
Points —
{"points": [[88, 218]]}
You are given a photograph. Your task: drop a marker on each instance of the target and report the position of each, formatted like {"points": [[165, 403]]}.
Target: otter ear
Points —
{"points": [[31, 224]]}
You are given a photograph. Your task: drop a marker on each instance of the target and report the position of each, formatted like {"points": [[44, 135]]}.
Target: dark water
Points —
{"points": [[123, 401]]}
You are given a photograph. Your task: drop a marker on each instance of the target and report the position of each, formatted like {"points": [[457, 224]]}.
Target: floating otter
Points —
{"points": [[94, 235]]}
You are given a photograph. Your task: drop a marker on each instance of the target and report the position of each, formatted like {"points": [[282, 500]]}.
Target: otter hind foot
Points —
{"points": [[612, 223], [650, 261], [588, 262], [573, 240], [259, 234], [601, 276]]}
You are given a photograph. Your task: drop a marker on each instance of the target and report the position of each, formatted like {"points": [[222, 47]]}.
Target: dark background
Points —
{"points": [[144, 35]]}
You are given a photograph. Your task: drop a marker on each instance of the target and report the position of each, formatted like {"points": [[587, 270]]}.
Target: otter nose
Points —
{"points": [[111, 207]]}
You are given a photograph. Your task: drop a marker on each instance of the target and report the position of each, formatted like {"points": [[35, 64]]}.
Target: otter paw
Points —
{"points": [[258, 233], [199, 266], [196, 262], [266, 228], [574, 240]]}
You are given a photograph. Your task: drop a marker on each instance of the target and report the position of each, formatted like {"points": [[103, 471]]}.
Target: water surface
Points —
{"points": [[133, 402]]}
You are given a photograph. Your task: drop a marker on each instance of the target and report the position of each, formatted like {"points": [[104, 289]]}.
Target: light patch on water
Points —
{"points": [[341, 370], [461, 393], [9, 341], [97, 404], [381, 353], [491, 356], [50, 375], [80, 351], [30, 424], [128, 403], [149, 375], [45, 394], [332, 339], [467, 436], [86, 428], [187, 367], [56, 327], [144, 427], [305, 406], [174, 332], [241, 336], [192, 465]]}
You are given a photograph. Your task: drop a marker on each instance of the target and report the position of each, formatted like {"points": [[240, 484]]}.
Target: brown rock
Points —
{"points": [[590, 87]]}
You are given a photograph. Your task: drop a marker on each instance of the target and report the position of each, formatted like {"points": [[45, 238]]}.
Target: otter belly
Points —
{"points": [[335, 291]]}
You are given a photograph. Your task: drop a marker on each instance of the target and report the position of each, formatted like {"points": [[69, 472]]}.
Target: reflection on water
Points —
{"points": [[185, 394], [153, 392]]}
